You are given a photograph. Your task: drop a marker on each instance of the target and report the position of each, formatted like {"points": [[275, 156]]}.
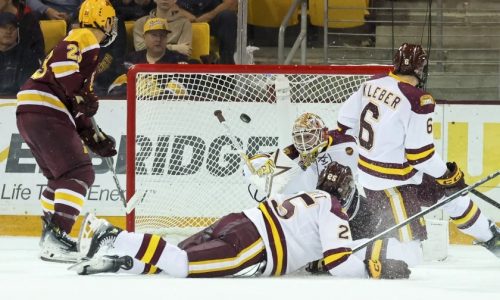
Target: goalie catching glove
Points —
{"points": [[100, 143], [453, 180]]}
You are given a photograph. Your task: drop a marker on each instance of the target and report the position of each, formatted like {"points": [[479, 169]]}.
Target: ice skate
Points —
{"points": [[493, 244], [56, 245], [104, 236], [103, 264]]}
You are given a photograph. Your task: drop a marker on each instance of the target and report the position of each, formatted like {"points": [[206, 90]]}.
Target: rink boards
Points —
{"points": [[466, 133]]}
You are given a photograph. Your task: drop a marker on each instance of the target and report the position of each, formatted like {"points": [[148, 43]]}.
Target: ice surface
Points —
{"points": [[469, 272]]}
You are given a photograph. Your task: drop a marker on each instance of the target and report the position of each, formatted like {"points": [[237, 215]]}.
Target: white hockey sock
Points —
{"points": [[409, 252], [468, 218], [172, 261]]}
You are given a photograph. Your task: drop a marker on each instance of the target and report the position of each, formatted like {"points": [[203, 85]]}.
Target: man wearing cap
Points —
{"points": [[155, 38], [17, 63], [180, 36]]}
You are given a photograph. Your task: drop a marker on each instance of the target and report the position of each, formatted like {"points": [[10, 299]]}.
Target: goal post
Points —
{"points": [[181, 166]]}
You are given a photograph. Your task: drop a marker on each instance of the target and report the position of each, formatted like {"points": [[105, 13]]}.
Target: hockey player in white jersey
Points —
{"points": [[398, 166], [314, 148], [278, 237]]}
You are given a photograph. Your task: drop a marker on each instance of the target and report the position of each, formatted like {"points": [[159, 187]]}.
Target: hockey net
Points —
{"points": [[181, 166]]}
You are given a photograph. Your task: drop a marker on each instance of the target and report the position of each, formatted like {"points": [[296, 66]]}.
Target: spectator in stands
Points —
{"points": [[222, 17], [155, 38], [56, 9], [16, 62], [111, 61], [29, 28], [180, 35], [131, 10]]}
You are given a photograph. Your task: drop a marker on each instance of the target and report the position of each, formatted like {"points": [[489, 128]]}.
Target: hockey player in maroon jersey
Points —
{"points": [[398, 167], [278, 237], [54, 108]]}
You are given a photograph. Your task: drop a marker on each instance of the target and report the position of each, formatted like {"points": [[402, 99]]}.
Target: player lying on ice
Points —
{"points": [[280, 236]]}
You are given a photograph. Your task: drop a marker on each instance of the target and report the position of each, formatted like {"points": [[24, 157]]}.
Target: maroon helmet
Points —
{"points": [[410, 59], [337, 180]]}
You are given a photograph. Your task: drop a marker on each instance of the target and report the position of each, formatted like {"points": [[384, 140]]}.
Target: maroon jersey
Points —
{"points": [[66, 70]]}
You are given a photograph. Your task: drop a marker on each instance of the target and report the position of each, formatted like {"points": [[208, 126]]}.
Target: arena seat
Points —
{"points": [[53, 31], [342, 13], [270, 13], [201, 40]]}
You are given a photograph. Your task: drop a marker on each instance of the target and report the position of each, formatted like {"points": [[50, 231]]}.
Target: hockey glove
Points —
{"points": [[261, 165], [317, 267], [85, 102], [101, 144], [453, 180], [387, 269]]}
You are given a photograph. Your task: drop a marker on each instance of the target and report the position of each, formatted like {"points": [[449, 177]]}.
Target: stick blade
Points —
{"points": [[218, 114]]}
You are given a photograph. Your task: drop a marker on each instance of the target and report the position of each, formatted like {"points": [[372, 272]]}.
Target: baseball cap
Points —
{"points": [[8, 18], [156, 24]]}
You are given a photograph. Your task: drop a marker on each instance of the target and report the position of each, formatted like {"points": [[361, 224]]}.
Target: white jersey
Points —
{"points": [[304, 227], [341, 148], [392, 121]]}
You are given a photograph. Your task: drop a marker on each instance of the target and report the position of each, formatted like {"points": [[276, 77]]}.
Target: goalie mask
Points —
{"points": [[99, 14], [309, 132], [338, 181], [411, 59]]}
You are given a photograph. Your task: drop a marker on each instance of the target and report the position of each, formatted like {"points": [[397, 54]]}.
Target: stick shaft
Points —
{"points": [[464, 191], [234, 141], [110, 163], [485, 198]]}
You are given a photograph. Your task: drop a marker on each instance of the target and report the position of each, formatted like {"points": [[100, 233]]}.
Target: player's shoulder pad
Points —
{"points": [[84, 38], [378, 76], [338, 137], [420, 101]]}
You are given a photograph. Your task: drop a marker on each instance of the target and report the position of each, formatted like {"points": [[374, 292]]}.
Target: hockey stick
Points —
{"points": [[485, 198], [109, 162], [135, 199], [234, 141], [463, 191]]}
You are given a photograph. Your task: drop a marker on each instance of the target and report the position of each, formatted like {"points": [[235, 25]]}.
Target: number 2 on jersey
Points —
{"points": [[366, 140]]}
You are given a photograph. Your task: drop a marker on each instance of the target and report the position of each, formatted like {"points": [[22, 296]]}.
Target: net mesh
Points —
{"points": [[187, 172]]}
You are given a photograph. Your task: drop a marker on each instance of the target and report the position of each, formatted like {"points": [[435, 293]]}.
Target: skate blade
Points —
{"points": [[59, 260]]}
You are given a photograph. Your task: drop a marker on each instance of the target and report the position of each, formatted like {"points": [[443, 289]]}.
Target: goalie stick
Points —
{"points": [[234, 141], [109, 162], [463, 191]]}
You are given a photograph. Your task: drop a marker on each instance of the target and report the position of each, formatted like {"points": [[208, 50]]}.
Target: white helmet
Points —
{"points": [[308, 132]]}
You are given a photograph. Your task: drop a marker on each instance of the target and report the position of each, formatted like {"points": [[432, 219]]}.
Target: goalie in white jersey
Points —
{"points": [[278, 237], [314, 148], [398, 165]]}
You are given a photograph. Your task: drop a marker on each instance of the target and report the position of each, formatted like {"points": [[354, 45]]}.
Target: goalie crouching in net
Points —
{"points": [[278, 237]]}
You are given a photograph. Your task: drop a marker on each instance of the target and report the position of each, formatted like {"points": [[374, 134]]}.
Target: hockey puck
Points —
{"points": [[245, 118]]}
